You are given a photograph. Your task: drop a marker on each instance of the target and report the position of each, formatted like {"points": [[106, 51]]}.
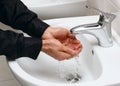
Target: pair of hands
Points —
{"points": [[60, 43]]}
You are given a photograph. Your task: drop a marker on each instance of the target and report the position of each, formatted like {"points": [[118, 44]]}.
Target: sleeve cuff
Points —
{"points": [[31, 47], [36, 28]]}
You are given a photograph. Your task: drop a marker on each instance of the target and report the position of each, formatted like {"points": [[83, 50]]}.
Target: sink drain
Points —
{"points": [[73, 78]]}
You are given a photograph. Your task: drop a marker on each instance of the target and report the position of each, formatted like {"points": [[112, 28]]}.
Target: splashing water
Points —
{"points": [[70, 75]]}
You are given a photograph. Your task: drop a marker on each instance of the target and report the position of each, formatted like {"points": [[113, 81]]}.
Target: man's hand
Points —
{"points": [[60, 43]]}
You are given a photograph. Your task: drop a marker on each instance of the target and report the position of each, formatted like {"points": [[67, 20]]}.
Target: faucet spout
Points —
{"points": [[95, 29], [101, 30]]}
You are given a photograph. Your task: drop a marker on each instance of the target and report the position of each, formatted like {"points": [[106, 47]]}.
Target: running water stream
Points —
{"points": [[70, 74]]}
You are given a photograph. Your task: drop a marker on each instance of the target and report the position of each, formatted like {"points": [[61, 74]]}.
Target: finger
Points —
{"points": [[64, 56], [68, 50], [77, 46], [72, 36], [78, 50], [74, 41]]}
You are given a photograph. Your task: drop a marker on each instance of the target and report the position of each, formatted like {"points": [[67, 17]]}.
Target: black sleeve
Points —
{"points": [[15, 45], [15, 14]]}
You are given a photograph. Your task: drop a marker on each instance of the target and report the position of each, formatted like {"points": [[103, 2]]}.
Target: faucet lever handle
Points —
{"points": [[108, 17]]}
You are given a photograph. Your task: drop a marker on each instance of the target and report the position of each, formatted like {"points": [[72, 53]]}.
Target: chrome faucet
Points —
{"points": [[101, 30]]}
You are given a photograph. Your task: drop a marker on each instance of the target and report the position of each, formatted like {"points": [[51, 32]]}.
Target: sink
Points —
{"points": [[97, 66]]}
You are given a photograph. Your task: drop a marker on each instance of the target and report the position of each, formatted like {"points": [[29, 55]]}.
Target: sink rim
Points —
{"points": [[53, 4]]}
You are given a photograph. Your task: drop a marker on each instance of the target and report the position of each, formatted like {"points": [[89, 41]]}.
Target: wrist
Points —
{"points": [[44, 45], [48, 33]]}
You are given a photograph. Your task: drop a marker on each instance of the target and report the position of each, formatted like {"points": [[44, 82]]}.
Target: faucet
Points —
{"points": [[101, 30]]}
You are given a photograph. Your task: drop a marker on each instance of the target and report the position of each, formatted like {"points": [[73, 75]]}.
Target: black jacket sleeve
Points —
{"points": [[15, 14], [15, 45]]}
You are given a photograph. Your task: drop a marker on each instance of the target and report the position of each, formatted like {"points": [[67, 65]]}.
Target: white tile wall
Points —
{"points": [[104, 5], [110, 6], [6, 77], [116, 23], [116, 3], [113, 6]]}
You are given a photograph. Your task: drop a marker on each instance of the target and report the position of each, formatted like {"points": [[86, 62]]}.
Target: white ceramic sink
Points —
{"points": [[98, 66]]}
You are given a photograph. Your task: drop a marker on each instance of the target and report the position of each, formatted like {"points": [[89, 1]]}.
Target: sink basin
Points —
{"points": [[97, 66]]}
